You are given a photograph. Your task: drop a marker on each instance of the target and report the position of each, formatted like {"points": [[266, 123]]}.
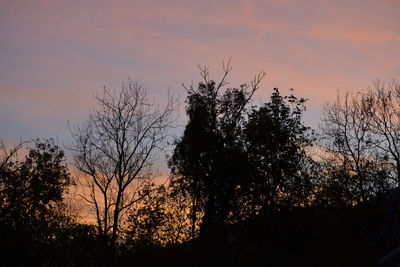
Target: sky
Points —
{"points": [[55, 55]]}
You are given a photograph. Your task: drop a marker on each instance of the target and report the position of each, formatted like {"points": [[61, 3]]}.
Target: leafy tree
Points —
{"points": [[147, 218], [276, 144], [157, 220], [244, 170], [32, 206], [31, 188], [187, 203], [208, 161]]}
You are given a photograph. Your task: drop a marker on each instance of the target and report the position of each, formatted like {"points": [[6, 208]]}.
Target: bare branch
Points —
{"points": [[116, 146]]}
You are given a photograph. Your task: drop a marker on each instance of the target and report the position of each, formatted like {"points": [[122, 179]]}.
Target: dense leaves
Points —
{"points": [[32, 212], [276, 142], [235, 162]]}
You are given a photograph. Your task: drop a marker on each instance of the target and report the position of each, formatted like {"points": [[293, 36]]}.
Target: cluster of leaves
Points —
{"points": [[276, 143], [35, 224], [32, 189], [159, 219]]}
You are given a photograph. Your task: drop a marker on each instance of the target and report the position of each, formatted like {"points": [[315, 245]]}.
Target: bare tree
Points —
{"points": [[349, 147], [115, 149], [384, 109], [362, 138]]}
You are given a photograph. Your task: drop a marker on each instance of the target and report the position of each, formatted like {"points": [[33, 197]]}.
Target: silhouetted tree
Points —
{"points": [[384, 124], [276, 144], [32, 206], [187, 204], [147, 218], [114, 151], [356, 158], [208, 161], [159, 219]]}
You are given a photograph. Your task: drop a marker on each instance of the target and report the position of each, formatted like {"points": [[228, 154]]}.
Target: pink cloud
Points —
{"points": [[56, 54], [353, 36]]}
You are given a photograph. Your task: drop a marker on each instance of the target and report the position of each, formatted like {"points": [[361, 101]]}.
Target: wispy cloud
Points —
{"points": [[54, 55]]}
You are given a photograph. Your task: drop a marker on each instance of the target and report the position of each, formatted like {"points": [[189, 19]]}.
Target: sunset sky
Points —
{"points": [[55, 55]]}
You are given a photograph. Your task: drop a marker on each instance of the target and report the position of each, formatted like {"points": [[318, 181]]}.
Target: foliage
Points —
{"points": [[159, 219], [32, 213], [236, 163], [276, 143]]}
